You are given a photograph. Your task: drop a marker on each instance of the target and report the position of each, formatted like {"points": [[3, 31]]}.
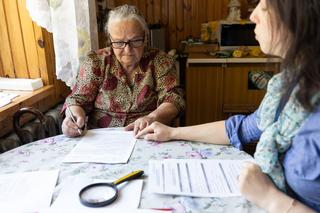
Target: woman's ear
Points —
{"points": [[107, 41]]}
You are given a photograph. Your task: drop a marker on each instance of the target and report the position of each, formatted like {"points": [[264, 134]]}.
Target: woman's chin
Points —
{"points": [[128, 63]]}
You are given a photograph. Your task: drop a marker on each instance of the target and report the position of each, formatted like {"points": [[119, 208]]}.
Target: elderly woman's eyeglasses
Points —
{"points": [[132, 43]]}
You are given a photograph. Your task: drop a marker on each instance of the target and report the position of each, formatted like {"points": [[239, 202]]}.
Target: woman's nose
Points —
{"points": [[127, 48], [253, 17]]}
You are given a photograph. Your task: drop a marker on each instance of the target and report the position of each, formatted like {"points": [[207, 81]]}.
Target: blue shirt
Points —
{"points": [[301, 162]]}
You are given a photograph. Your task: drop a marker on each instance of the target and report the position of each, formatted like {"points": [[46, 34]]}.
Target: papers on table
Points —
{"points": [[103, 146], [197, 178], [103, 210], [27, 192], [128, 197], [5, 98]]}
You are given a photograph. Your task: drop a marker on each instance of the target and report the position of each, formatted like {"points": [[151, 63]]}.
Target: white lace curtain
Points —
{"points": [[74, 27]]}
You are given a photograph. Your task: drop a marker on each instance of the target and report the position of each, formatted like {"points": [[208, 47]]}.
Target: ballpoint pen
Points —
{"points": [[74, 120]]}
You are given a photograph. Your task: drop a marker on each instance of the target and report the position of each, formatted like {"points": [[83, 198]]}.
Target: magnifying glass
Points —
{"points": [[102, 194]]}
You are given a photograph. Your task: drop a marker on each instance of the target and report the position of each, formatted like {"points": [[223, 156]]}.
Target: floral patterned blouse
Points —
{"points": [[103, 91]]}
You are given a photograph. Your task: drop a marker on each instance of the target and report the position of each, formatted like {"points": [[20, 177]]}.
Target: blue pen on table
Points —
{"points": [[74, 120]]}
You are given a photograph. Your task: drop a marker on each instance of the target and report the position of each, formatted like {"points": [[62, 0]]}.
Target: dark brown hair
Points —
{"points": [[301, 65]]}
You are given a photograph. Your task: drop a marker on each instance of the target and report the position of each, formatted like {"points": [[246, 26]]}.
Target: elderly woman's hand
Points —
{"points": [[256, 186], [71, 129], [140, 124]]}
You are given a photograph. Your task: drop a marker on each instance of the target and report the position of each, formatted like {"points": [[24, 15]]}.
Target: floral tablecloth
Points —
{"points": [[47, 154]]}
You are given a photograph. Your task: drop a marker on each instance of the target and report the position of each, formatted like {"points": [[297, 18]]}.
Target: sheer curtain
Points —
{"points": [[74, 27]]}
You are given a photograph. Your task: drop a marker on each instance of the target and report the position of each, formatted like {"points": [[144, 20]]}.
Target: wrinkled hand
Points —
{"points": [[69, 128], [256, 186], [156, 132], [139, 124]]}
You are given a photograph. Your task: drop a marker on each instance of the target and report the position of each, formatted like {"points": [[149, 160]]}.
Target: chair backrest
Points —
{"points": [[38, 129]]}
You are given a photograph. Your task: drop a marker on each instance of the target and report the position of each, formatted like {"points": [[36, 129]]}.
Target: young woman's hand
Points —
{"points": [[156, 132], [139, 124], [256, 186]]}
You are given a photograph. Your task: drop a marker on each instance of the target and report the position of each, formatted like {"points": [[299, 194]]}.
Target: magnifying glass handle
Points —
{"points": [[131, 176]]}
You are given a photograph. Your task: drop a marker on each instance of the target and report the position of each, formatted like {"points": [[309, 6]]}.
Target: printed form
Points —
{"points": [[107, 145], [196, 178]]}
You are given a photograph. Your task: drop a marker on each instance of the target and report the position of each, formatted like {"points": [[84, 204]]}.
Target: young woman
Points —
{"points": [[286, 176]]}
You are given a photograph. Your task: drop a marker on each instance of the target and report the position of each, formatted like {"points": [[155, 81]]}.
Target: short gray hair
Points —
{"points": [[126, 12]]}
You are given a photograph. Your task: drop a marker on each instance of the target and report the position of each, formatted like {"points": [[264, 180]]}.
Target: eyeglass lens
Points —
{"points": [[122, 44]]}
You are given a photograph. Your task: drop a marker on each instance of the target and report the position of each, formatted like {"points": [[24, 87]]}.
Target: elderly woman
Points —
{"points": [[127, 84]]}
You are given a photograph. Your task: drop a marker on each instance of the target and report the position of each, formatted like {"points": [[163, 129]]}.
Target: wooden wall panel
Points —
{"points": [[16, 39], [26, 49], [29, 41], [5, 53], [171, 28], [180, 25], [1, 68], [181, 18]]}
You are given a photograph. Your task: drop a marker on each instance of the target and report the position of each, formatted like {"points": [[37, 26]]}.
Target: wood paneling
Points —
{"points": [[237, 95], [29, 42], [17, 46], [5, 53], [203, 92], [26, 49], [1, 68], [181, 18], [215, 91]]}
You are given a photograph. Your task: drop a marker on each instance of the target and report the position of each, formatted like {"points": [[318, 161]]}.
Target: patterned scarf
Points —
{"points": [[277, 133]]}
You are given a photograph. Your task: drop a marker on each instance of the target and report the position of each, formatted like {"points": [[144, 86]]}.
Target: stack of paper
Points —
{"points": [[20, 84], [197, 178]]}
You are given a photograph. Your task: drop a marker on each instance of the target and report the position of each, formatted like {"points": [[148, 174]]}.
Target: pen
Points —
{"points": [[73, 119], [163, 209]]}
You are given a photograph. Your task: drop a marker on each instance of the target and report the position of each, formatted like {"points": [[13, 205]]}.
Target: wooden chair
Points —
{"points": [[37, 129]]}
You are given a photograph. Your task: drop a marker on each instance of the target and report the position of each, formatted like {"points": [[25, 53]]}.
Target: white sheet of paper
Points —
{"points": [[103, 146], [103, 210], [5, 98], [193, 177], [128, 197], [27, 192]]}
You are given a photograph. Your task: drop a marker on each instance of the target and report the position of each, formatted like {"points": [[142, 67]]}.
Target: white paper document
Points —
{"points": [[27, 192], [6, 98], [128, 197], [103, 210], [103, 146], [20, 83], [193, 177]]}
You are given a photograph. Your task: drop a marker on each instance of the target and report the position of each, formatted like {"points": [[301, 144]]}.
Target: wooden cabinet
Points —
{"points": [[203, 91], [218, 88]]}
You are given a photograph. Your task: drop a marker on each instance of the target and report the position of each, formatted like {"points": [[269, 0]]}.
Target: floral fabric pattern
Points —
{"points": [[48, 154], [277, 133], [104, 92]]}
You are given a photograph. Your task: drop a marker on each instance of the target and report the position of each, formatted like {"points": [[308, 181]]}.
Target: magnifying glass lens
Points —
{"points": [[98, 194]]}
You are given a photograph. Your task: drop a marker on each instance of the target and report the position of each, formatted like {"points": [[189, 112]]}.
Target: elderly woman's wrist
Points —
{"points": [[153, 117]]}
